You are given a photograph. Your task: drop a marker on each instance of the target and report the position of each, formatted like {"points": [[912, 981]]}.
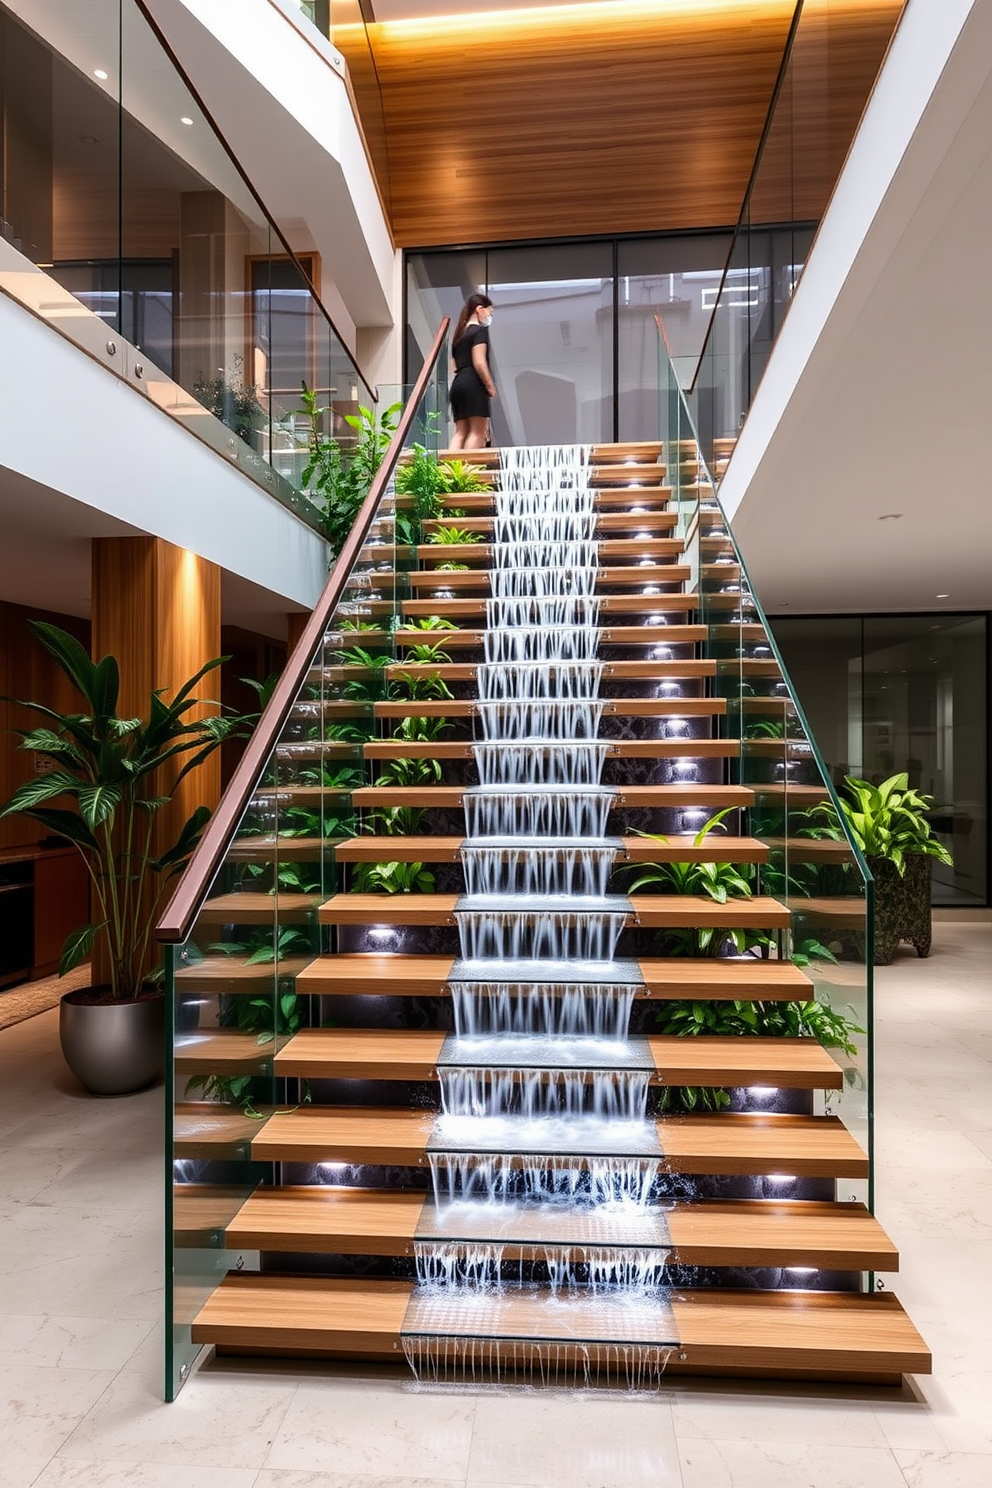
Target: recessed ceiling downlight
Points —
{"points": [[185, 120], [943, 596], [101, 73]]}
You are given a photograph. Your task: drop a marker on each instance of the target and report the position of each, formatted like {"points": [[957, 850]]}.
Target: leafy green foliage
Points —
{"points": [[409, 686], [453, 536], [392, 878], [431, 622], [720, 881], [233, 401], [461, 475], [107, 770], [396, 821], [425, 654], [451, 567], [409, 772], [810, 950], [420, 730], [336, 480], [886, 821]]}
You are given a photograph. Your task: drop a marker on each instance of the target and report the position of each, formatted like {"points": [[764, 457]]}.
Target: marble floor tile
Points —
{"points": [[61, 1473], [70, 1342], [558, 1441], [759, 1464], [945, 1469], [292, 1478], [389, 1430], [40, 1405], [771, 1418]]}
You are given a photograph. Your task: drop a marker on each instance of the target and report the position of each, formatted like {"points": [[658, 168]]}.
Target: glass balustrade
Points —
{"points": [[129, 228], [812, 864], [237, 983]]}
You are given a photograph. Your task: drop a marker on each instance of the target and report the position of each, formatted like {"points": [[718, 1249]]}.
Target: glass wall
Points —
{"points": [[886, 693]]}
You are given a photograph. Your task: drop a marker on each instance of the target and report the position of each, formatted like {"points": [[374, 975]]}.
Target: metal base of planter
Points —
{"points": [[113, 1048]]}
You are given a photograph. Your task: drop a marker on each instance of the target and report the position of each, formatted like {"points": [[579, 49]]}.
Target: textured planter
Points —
{"points": [[902, 906], [114, 1047]]}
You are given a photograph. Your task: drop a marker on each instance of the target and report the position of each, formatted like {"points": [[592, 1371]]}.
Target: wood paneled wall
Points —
{"points": [[27, 671], [601, 119], [156, 608]]}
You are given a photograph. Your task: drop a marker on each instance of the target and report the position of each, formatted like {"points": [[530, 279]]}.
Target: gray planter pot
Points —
{"points": [[113, 1048]]}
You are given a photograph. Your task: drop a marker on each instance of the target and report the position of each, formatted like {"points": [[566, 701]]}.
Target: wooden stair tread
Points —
{"points": [[608, 547], [738, 1232], [654, 797], [695, 749], [415, 1054], [629, 575], [687, 669], [229, 974], [679, 848], [365, 973], [679, 707], [222, 1051], [671, 602], [246, 908], [207, 1129], [820, 1335], [651, 910], [727, 1143]]}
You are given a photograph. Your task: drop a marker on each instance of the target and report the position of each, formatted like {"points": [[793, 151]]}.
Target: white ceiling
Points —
{"points": [[878, 401]]}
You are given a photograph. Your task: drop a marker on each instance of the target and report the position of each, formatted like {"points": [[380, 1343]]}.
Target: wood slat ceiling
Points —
{"points": [[601, 119]]}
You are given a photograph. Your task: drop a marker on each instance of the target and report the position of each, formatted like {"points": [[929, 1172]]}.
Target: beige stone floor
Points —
{"points": [[81, 1300]]}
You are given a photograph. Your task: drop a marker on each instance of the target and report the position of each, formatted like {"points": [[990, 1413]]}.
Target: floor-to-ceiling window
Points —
{"points": [[576, 345], [885, 693]]}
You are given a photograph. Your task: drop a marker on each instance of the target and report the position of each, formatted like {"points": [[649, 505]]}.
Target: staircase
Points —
{"points": [[472, 1132]]}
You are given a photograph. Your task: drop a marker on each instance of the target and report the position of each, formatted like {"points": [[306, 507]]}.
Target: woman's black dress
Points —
{"points": [[469, 398]]}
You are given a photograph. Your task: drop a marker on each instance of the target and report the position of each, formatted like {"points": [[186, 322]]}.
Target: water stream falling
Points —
{"points": [[544, 1133]]}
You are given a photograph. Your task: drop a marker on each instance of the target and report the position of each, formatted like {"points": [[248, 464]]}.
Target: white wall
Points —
{"points": [[69, 426]]}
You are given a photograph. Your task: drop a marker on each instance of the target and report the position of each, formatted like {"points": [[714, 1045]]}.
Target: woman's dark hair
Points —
{"points": [[473, 303]]}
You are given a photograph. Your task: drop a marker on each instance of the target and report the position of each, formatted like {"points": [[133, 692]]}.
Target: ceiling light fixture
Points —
{"points": [[943, 596], [98, 72], [185, 120]]}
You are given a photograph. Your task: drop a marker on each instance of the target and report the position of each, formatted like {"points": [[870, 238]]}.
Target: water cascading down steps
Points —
{"points": [[544, 1131], [467, 1157]]}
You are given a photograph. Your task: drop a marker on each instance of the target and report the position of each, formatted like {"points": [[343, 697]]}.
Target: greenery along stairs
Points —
{"points": [[318, 996]]}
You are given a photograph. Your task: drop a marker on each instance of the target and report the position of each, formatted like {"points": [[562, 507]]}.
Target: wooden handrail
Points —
{"points": [[182, 908]]}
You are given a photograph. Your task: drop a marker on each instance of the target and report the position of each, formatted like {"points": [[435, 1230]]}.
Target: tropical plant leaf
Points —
{"points": [[77, 946]]}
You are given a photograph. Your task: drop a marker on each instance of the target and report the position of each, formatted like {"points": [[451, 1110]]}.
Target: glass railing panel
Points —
{"points": [[156, 256], [242, 983], [810, 865]]}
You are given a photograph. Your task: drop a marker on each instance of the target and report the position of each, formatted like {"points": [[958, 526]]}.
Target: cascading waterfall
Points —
{"points": [[544, 1095]]}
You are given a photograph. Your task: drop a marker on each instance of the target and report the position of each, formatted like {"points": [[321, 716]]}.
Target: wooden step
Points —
{"points": [[628, 576], [673, 979], [677, 849], [729, 1143], [246, 908], [627, 797], [229, 974], [651, 911], [833, 1336], [355, 1221], [652, 521], [613, 635], [415, 1054], [222, 1051], [462, 671], [667, 707], [607, 499], [657, 548], [690, 751], [208, 1130], [610, 604]]}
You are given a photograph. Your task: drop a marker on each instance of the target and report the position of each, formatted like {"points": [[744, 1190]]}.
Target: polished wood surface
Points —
{"points": [[292, 1313], [713, 979], [354, 1134], [205, 1130], [349, 1221], [652, 797], [804, 1146], [763, 1232], [361, 1054], [675, 849], [367, 973], [229, 974]]}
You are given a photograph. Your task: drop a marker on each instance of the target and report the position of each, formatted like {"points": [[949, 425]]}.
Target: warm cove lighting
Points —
{"points": [[740, 12]]}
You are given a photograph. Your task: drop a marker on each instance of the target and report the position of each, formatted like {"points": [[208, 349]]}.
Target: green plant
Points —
{"points": [[886, 821], [392, 878], [766, 728], [407, 686], [410, 772], [359, 625], [459, 475], [453, 536], [232, 400], [395, 821], [109, 768], [420, 730], [710, 941], [338, 482], [424, 655], [718, 880], [810, 950], [431, 622]]}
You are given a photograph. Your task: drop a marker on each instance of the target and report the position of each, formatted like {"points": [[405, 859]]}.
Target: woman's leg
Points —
{"points": [[478, 433], [461, 434]]}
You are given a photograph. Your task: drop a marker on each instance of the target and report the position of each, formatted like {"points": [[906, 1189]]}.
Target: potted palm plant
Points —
{"points": [[889, 824], [104, 795]]}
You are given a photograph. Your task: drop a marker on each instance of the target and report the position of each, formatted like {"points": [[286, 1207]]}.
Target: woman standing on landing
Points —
{"points": [[472, 386]]}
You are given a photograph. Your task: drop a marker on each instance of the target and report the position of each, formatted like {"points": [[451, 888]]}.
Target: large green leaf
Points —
{"points": [[77, 946], [41, 788], [106, 688], [66, 824], [71, 656], [184, 844], [98, 802]]}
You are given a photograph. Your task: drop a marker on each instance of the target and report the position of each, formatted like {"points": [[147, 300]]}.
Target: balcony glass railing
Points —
{"points": [[244, 922], [128, 227], [813, 865]]}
